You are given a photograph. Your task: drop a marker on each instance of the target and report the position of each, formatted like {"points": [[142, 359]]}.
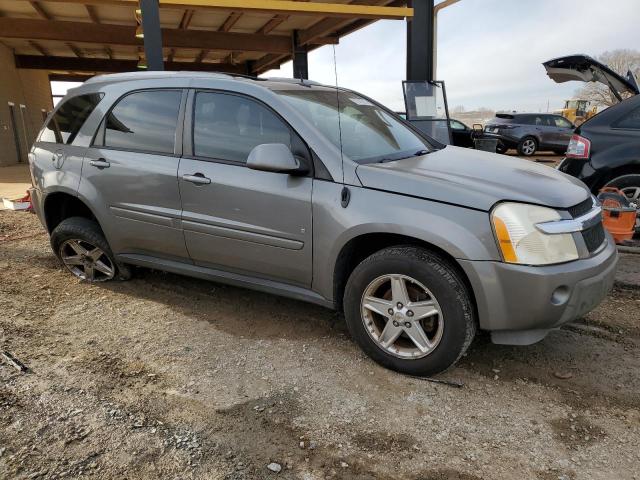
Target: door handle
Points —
{"points": [[100, 163], [197, 179]]}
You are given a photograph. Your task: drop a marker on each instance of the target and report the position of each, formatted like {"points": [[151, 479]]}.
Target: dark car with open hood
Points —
{"points": [[605, 150]]}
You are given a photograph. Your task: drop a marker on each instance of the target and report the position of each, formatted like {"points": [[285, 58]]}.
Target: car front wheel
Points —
{"points": [[409, 310]]}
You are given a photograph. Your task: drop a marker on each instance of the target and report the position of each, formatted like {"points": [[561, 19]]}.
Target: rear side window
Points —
{"points": [[65, 123], [630, 120], [144, 121], [227, 127]]}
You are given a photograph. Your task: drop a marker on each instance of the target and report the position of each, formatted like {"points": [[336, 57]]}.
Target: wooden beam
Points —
{"points": [[74, 64], [330, 25], [91, 11], [268, 61], [286, 7], [230, 21], [272, 24], [76, 51], [201, 56], [41, 11], [39, 48], [84, 32], [186, 19], [69, 77]]}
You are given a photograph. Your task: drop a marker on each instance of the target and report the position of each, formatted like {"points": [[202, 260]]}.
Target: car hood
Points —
{"points": [[474, 179], [583, 68]]}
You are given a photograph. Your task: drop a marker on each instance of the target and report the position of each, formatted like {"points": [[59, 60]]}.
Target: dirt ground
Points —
{"points": [[170, 377]]}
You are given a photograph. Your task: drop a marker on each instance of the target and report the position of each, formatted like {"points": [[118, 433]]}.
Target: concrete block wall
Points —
{"points": [[30, 88]]}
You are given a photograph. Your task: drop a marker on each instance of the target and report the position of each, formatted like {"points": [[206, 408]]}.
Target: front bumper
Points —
{"points": [[520, 304]]}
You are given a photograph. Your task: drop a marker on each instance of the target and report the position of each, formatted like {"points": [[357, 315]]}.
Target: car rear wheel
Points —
{"points": [[527, 146], [409, 310], [80, 244]]}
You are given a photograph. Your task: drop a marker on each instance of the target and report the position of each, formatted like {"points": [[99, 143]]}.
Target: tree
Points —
{"points": [[620, 61]]}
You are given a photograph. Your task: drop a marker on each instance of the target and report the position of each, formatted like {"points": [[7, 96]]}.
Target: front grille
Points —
{"points": [[581, 208], [593, 237]]}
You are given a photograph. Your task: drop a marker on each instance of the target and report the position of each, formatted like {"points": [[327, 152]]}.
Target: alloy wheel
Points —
{"points": [[528, 147], [86, 261], [402, 316], [632, 193]]}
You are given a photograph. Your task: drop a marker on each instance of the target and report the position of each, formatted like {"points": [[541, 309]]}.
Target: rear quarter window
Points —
{"points": [[143, 121], [67, 120]]}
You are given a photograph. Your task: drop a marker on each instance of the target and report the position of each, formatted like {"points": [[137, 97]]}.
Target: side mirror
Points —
{"points": [[477, 127], [273, 157]]}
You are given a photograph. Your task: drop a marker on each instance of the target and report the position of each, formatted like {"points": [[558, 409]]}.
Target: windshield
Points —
{"points": [[369, 133]]}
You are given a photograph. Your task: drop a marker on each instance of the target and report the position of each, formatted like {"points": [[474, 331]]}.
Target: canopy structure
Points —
{"points": [[75, 39]]}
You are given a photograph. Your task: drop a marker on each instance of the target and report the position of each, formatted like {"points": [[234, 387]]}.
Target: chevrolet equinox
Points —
{"points": [[323, 195]]}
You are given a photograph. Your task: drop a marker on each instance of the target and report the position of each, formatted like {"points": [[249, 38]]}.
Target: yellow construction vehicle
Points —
{"points": [[577, 111]]}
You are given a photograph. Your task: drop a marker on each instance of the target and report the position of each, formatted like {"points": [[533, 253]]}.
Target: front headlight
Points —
{"points": [[519, 241]]}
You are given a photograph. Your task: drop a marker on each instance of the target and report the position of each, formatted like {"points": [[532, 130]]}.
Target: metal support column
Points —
{"points": [[300, 62], [420, 41], [152, 34]]}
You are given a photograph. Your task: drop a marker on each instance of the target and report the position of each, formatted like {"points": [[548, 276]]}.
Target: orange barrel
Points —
{"points": [[619, 216]]}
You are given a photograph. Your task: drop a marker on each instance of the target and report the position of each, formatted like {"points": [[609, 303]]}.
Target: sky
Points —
{"points": [[489, 51]]}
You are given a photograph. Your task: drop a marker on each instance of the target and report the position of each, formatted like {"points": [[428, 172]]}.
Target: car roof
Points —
{"points": [[515, 116], [272, 83]]}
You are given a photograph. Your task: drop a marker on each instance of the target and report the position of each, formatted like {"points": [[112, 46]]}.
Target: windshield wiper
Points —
{"points": [[403, 156]]}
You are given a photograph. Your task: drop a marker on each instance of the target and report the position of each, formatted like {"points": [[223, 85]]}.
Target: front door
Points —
{"points": [[235, 218], [130, 173]]}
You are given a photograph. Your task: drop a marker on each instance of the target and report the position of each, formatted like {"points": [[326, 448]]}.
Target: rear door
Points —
{"points": [[131, 170], [238, 219], [545, 129]]}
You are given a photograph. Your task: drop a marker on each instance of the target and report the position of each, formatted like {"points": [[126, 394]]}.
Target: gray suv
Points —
{"points": [[530, 132], [322, 195]]}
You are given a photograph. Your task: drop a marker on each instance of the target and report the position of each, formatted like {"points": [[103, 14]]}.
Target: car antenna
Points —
{"points": [[345, 195]]}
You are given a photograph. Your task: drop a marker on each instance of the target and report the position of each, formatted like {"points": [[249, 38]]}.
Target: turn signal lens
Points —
{"points": [[504, 240]]}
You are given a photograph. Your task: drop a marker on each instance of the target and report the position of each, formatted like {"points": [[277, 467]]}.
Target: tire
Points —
{"points": [[527, 146], [450, 331], [82, 248], [501, 148], [630, 186]]}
